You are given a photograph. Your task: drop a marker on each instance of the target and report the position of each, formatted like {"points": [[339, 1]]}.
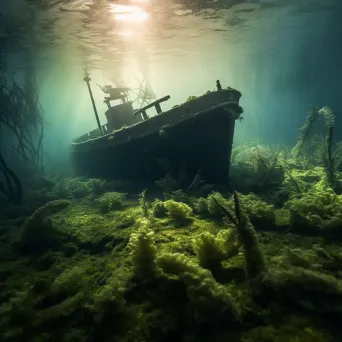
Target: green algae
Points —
{"points": [[172, 270]]}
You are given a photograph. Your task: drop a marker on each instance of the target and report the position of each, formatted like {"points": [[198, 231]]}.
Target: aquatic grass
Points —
{"points": [[140, 274], [111, 201], [328, 158], [178, 212]]}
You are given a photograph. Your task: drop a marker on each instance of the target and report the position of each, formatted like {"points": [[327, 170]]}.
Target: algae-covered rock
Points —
{"points": [[38, 232]]}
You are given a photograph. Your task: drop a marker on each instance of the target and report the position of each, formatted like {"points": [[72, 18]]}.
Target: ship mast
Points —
{"points": [[87, 79]]}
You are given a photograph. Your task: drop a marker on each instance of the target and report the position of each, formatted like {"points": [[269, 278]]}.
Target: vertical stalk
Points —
{"points": [[87, 79]]}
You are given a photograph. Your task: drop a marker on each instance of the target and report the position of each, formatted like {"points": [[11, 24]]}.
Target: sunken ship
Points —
{"points": [[192, 137]]}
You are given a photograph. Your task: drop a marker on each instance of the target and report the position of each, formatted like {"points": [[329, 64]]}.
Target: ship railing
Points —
{"points": [[95, 133], [155, 104]]}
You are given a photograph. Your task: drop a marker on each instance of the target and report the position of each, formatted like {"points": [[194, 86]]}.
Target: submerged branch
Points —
{"points": [[11, 186], [23, 116]]}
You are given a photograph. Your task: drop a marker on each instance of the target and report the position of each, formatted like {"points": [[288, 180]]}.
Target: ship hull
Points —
{"points": [[198, 143]]}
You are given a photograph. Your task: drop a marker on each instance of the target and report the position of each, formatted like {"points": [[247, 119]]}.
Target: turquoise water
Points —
{"points": [[219, 220]]}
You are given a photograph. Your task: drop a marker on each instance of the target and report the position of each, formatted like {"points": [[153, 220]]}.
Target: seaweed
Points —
{"points": [[144, 203], [327, 156], [11, 186], [255, 262]]}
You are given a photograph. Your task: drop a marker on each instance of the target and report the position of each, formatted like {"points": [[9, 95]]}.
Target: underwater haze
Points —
{"points": [[170, 170], [282, 55]]}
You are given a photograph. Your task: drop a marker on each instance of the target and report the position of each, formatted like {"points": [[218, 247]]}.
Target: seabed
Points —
{"points": [[97, 260]]}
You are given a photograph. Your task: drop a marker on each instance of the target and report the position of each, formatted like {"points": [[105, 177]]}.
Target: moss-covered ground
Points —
{"points": [[87, 262]]}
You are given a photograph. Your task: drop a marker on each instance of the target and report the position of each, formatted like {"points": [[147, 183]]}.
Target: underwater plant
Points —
{"points": [[257, 169], [158, 209], [214, 208], [178, 212], [172, 180], [178, 185], [69, 281], [305, 131], [309, 289], [318, 211], [143, 203], [98, 186], [210, 300], [21, 117], [109, 299], [211, 250], [179, 196], [228, 279], [10, 184], [80, 187], [73, 187], [329, 158], [111, 201], [254, 258], [316, 291], [17, 313], [290, 180], [201, 206], [297, 329], [261, 214], [208, 251], [143, 251]]}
